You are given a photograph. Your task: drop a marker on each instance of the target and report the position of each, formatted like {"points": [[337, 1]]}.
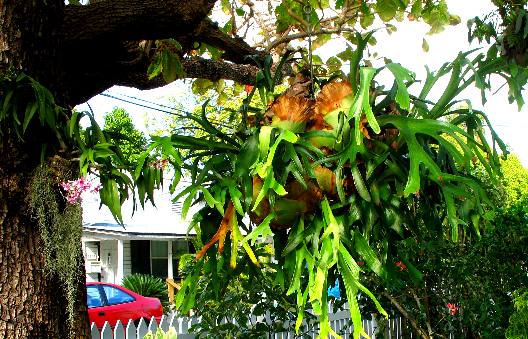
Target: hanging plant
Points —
{"points": [[335, 179]]}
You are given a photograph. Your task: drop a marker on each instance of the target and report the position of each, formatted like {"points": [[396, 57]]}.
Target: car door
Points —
{"points": [[120, 305], [95, 302]]}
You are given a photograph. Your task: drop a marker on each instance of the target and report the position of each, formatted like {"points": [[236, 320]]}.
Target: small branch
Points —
{"points": [[215, 70], [406, 315], [427, 323], [303, 35]]}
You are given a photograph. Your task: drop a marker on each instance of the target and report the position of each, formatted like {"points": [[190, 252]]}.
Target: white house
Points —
{"points": [[151, 241]]}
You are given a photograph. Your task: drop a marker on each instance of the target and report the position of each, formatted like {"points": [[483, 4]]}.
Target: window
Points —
{"points": [[115, 296], [159, 254], [179, 247], [93, 297]]}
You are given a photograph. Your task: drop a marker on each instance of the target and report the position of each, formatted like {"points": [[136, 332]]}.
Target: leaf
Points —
{"points": [[263, 230], [30, 112], [236, 195], [155, 67], [171, 66], [350, 273], [425, 44], [109, 195], [386, 9], [365, 251], [286, 135], [249, 154], [401, 75], [362, 103], [225, 227]]}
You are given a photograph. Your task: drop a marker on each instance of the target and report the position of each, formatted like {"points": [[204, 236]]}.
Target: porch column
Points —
{"points": [[120, 262], [170, 269]]}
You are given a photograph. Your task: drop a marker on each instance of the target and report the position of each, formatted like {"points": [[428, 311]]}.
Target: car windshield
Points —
{"points": [[93, 297]]}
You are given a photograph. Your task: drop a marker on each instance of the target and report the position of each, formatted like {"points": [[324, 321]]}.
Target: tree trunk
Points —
{"points": [[33, 299]]}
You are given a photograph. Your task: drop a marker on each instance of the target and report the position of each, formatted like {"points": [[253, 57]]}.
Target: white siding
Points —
{"points": [[109, 261], [127, 269]]}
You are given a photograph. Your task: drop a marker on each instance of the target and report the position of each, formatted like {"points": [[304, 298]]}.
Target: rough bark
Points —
{"points": [[122, 20], [32, 300], [77, 52]]}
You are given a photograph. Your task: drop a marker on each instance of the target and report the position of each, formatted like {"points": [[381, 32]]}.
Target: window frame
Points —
{"points": [[107, 303], [101, 296]]}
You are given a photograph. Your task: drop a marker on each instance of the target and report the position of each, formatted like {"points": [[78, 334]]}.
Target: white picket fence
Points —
{"points": [[339, 322]]}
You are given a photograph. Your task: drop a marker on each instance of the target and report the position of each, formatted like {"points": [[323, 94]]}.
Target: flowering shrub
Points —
{"points": [[453, 308], [75, 188]]}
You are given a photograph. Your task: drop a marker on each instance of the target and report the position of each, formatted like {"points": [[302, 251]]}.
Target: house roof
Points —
{"points": [[151, 222]]}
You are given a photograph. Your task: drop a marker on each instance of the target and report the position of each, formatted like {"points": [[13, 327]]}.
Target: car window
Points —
{"points": [[116, 296], [93, 297]]}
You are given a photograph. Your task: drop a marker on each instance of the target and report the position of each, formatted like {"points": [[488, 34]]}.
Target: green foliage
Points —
{"points": [[125, 136], [477, 275], [291, 16], [60, 227], [147, 286], [391, 186], [514, 181], [167, 61], [506, 29], [160, 334], [22, 101], [226, 303], [519, 319]]}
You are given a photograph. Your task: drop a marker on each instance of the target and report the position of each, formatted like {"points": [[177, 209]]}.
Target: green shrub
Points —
{"points": [[518, 328], [160, 334], [148, 286]]}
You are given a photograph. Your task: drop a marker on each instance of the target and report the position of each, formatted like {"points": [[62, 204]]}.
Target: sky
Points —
{"points": [[403, 46]]}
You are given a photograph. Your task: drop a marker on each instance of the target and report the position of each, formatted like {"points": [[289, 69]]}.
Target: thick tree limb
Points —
{"points": [[135, 75], [121, 20], [110, 39]]}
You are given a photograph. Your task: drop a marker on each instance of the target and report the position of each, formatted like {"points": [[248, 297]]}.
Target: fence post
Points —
{"points": [[94, 332], [119, 332], [130, 331]]}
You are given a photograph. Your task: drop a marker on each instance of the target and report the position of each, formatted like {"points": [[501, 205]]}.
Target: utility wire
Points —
{"points": [[185, 115], [152, 103]]}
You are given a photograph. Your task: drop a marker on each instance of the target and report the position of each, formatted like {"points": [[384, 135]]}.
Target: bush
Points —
{"points": [[148, 286], [518, 328]]}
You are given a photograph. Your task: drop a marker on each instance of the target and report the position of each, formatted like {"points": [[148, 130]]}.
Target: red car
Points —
{"points": [[110, 302]]}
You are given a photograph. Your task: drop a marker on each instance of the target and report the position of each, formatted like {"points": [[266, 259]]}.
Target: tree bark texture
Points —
{"points": [[33, 301], [78, 52]]}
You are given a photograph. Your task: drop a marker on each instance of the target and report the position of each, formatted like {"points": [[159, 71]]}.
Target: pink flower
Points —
{"points": [[453, 308], [75, 188]]}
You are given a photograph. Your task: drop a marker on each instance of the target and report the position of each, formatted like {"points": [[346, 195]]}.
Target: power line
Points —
{"points": [[186, 114], [141, 105], [154, 103]]}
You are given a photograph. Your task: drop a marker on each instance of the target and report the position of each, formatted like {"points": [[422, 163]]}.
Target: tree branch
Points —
{"points": [[135, 75], [302, 35], [216, 70], [406, 315], [121, 20]]}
